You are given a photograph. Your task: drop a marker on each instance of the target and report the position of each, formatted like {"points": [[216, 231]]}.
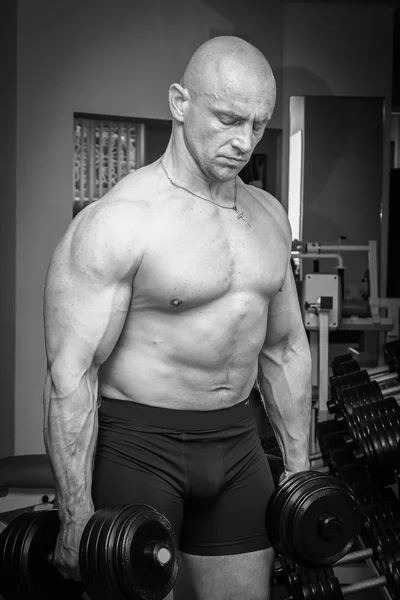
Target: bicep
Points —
{"points": [[83, 317], [86, 300], [285, 321]]}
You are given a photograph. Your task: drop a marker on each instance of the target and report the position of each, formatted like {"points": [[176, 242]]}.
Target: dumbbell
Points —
{"points": [[358, 395], [332, 434], [367, 412], [313, 519], [127, 551], [377, 443], [316, 586], [347, 363], [371, 434], [308, 584]]}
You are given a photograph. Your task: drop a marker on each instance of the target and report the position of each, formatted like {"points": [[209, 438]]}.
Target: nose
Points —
{"points": [[242, 141]]}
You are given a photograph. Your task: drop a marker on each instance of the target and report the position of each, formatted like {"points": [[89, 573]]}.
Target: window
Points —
{"points": [[106, 149]]}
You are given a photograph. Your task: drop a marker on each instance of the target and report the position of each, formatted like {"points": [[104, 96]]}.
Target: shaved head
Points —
{"points": [[221, 107], [226, 62]]}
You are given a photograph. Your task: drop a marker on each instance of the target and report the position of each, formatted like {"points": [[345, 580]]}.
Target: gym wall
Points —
{"points": [[119, 58], [8, 111]]}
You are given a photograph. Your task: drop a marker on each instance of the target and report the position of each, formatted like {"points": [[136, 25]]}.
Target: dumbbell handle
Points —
{"points": [[362, 586], [394, 390], [384, 377], [359, 586], [355, 556], [378, 371]]}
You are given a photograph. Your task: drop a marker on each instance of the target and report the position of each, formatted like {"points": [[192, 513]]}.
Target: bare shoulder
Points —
{"points": [[108, 237], [273, 207]]}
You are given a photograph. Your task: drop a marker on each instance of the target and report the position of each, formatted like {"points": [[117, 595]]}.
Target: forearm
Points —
{"points": [[285, 381], [70, 435]]}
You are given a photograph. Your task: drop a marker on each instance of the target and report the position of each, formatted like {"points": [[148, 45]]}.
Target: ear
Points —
{"points": [[179, 99]]}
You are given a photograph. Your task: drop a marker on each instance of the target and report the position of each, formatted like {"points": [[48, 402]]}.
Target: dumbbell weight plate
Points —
{"points": [[310, 526], [393, 434], [384, 555], [364, 442], [393, 577], [390, 434], [313, 518], [393, 539], [348, 367], [393, 422], [381, 456], [92, 555], [8, 574], [117, 544], [341, 358], [331, 589], [382, 463], [26, 571], [382, 429]]}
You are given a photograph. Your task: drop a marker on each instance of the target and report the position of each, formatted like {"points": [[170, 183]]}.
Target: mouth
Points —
{"points": [[231, 159]]}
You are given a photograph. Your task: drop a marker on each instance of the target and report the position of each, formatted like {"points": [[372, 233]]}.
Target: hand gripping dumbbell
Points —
{"points": [[347, 363], [313, 519], [127, 551]]}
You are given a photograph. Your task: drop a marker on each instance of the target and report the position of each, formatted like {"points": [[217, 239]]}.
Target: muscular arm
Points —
{"points": [[87, 295], [285, 375]]}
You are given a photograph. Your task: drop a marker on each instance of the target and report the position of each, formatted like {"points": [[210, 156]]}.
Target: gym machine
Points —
{"points": [[322, 311]]}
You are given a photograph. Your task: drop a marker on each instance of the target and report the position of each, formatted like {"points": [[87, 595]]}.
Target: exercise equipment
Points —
{"points": [[127, 551], [382, 513], [313, 519], [366, 452], [306, 584], [346, 363], [357, 394], [323, 585]]}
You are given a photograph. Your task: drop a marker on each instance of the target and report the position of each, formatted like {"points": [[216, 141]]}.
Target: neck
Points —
{"points": [[185, 172]]}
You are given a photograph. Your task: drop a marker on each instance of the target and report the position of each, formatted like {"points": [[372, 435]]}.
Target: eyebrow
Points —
{"points": [[228, 113], [233, 115]]}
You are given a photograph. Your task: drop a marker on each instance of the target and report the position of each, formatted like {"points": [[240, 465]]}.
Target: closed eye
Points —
{"points": [[230, 120]]}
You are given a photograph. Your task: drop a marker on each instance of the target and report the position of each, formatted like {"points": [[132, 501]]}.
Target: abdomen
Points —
{"points": [[203, 358]]}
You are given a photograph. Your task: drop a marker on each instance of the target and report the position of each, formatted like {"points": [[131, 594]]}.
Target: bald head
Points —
{"points": [[221, 107], [229, 63]]}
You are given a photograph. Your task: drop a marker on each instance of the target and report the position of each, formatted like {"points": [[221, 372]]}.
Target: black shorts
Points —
{"points": [[204, 470]]}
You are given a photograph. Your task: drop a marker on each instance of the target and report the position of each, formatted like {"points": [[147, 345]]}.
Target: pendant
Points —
{"points": [[240, 216]]}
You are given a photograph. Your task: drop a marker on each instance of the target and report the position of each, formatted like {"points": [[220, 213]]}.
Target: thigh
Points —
{"points": [[236, 577], [138, 479]]}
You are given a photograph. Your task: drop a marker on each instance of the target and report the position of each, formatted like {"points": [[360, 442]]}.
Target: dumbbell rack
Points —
{"points": [[380, 408], [374, 571], [383, 405]]}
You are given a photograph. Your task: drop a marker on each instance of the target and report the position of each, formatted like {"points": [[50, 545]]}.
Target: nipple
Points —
{"points": [[176, 302]]}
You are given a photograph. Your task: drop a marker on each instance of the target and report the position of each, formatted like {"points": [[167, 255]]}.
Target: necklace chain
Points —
{"points": [[181, 187]]}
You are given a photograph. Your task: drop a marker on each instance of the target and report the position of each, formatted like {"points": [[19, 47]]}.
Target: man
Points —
{"points": [[164, 299]]}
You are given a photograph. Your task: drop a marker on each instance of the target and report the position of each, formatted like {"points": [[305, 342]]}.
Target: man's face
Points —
{"points": [[223, 126]]}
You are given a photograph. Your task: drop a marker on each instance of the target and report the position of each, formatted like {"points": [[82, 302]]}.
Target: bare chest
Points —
{"points": [[196, 257]]}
